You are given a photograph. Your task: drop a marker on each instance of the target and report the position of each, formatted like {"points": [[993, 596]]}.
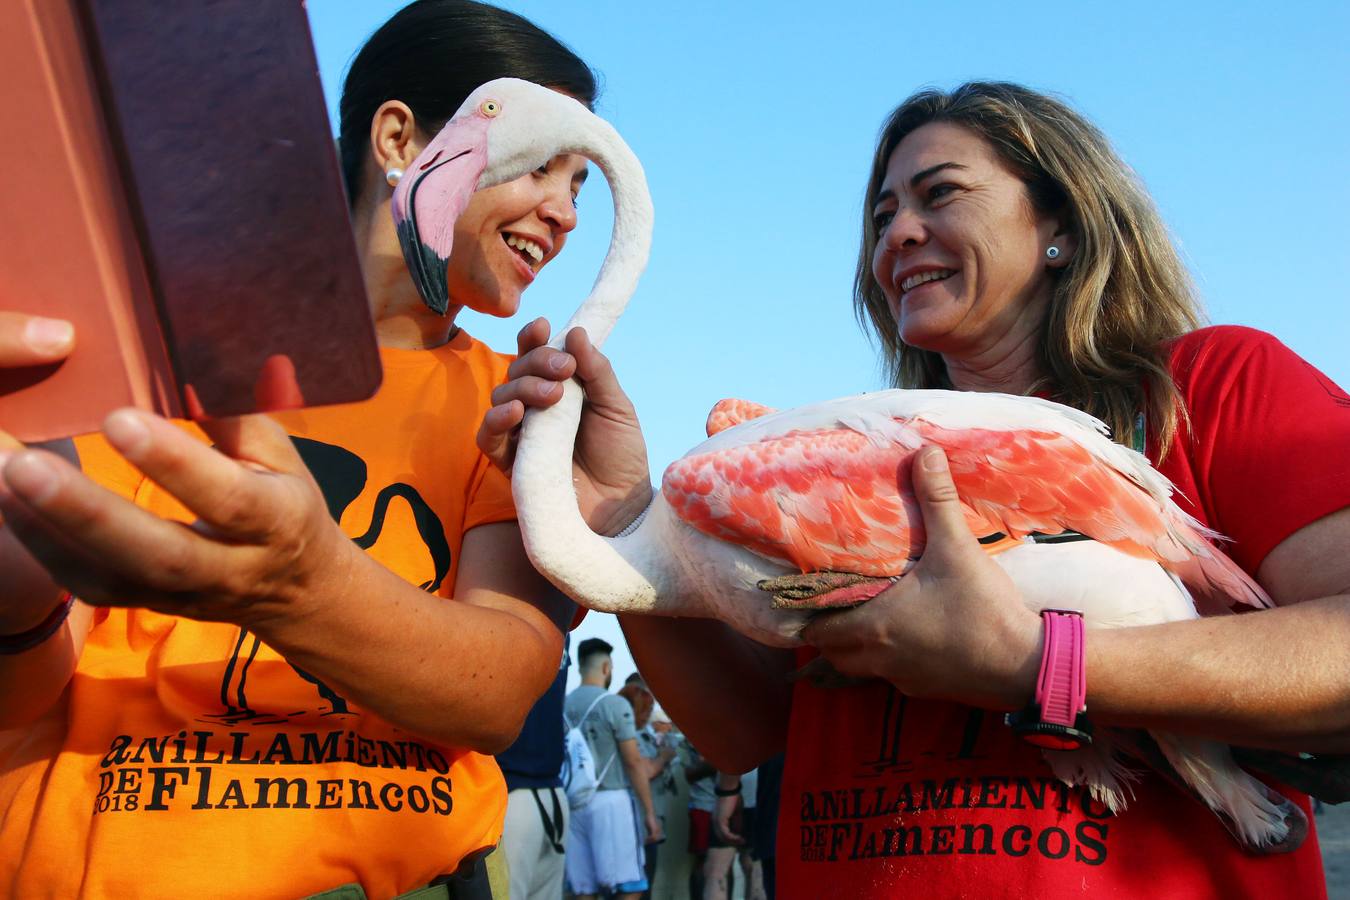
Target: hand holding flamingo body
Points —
{"points": [[818, 501]]}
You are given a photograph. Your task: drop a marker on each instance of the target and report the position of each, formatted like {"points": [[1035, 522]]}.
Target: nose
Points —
{"points": [[906, 229], [557, 207]]}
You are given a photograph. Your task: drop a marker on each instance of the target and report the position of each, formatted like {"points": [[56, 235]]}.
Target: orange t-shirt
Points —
{"points": [[189, 759]]}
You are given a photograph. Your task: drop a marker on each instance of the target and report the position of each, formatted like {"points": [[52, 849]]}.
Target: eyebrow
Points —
{"points": [[920, 176], [917, 178], [580, 178]]}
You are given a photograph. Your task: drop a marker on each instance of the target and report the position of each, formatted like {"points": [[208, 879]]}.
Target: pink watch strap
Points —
{"points": [[1061, 688]]}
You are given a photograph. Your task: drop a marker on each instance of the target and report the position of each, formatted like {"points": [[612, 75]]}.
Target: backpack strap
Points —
{"points": [[587, 713], [600, 776]]}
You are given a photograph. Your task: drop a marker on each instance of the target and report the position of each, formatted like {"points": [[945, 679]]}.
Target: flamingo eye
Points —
{"points": [[490, 108]]}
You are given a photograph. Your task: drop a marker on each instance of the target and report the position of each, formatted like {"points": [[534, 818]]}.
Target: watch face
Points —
{"points": [[1027, 725], [1056, 741]]}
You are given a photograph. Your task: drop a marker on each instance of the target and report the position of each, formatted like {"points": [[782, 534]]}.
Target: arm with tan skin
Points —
{"points": [[657, 764], [1297, 657], [465, 671], [687, 662], [636, 768], [726, 807], [699, 768], [266, 555], [1275, 678], [30, 682]]}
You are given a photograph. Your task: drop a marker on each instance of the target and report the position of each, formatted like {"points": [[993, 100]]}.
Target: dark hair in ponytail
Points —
{"points": [[431, 55]]}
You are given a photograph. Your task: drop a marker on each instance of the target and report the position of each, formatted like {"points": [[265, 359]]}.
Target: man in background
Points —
{"points": [[735, 828], [605, 851], [658, 755], [701, 777], [535, 834]]}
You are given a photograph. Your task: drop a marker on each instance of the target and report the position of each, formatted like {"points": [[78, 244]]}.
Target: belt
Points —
{"points": [[472, 884], [356, 892]]}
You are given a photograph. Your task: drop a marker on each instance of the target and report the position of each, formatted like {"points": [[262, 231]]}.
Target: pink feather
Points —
{"points": [[431, 196], [835, 499]]}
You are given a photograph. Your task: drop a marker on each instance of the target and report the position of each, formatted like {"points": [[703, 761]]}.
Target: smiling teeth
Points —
{"points": [[914, 281], [527, 245]]}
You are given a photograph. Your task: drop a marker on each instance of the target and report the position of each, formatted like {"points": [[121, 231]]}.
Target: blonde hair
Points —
{"points": [[1121, 298]]}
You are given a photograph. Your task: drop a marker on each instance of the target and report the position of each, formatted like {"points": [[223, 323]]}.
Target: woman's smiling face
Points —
{"points": [[960, 253], [508, 232]]}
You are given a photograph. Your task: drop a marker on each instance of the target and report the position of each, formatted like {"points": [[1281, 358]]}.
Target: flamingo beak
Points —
{"points": [[430, 198]]}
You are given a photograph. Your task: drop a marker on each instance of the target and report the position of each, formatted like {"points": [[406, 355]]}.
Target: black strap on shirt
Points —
{"points": [[553, 827]]}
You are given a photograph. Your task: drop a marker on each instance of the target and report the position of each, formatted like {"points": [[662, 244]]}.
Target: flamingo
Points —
{"points": [[781, 513]]}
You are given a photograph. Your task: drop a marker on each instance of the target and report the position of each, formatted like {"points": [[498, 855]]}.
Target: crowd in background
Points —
{"points": [[650, 782]]}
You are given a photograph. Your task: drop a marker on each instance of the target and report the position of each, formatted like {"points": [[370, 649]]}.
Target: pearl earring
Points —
{"points": [[393, 176], [1052, 252]]}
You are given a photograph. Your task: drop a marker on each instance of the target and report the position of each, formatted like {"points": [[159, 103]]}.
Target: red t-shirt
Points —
{"points": [[889, 796]]}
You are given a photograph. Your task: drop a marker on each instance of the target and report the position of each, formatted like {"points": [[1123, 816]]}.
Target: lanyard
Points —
{"points": [[1139, 436]]}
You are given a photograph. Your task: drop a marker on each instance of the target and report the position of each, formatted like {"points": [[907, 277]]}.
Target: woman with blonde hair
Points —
{"points": [[1006, 248]]}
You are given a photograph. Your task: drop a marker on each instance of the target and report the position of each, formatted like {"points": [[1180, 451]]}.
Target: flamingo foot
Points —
{"points": [[1296, 820], [1325, 777], [823, 590]]}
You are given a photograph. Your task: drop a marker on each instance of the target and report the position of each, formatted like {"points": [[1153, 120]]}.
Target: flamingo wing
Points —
{"points": [[840, 499], [431, 196], [821, 500]]}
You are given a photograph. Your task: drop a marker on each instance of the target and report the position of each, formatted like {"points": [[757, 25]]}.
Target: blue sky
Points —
{"points": [[755, 122]]}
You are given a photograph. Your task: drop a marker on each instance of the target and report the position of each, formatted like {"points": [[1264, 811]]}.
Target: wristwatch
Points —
{"points": [[1057, 718]]}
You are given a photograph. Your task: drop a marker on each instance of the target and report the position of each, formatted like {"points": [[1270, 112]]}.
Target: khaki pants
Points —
{"points": [[533, 840]]}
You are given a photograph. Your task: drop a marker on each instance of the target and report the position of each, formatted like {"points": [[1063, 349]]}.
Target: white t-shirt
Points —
{"points": [[610, 721]]}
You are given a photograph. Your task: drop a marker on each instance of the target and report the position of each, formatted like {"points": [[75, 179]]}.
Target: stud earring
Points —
{"points": [[393, 176], [1052, 252]]}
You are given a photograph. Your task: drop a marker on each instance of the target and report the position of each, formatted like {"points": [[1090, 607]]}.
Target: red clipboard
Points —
{"points": [[174, 191]]}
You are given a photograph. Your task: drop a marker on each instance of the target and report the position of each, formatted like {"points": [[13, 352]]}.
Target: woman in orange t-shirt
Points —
{"points": [[300, 691]]}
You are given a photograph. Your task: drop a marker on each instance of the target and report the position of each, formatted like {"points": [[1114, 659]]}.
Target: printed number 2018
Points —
{"points": [[117, 803]]}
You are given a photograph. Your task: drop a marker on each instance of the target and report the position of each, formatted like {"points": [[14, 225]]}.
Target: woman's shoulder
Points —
{"points": [[1224, 352], [461, 350], [1224, 339], [480, 357], [1232, 370]]}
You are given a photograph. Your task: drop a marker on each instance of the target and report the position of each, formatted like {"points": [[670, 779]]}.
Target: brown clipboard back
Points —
{"points": [[176, 194]]}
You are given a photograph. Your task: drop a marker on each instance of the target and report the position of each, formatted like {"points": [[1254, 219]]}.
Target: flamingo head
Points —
{"points": [[505, 129]]}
